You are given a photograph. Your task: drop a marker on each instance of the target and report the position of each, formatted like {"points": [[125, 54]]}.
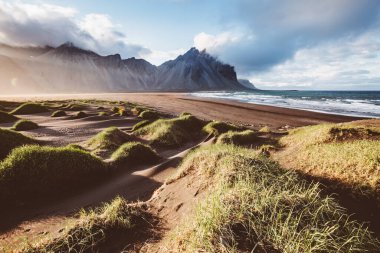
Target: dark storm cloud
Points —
{"points": [[278, 29]]}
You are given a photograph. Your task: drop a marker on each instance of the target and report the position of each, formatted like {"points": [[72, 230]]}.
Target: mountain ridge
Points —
{"points": [[68, 68]]}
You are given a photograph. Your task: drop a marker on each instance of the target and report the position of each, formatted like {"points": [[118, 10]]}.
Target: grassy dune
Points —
{"points": [[242, 138], [217, 128], [134, 153], [149, 115], [59, 113], [31, 172], [29, 108], [346, 153], [108, 139], [141, 124], [6, 117], [172, 132], [254, 204], [92, 228], [10, 140], [24, 125]]}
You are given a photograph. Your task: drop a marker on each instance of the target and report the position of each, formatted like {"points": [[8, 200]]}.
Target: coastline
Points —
{"points": [[248, 114]]}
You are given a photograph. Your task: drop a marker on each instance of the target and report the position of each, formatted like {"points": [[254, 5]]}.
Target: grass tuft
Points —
{"points": [[255, 206], [217, 128], [33, 171], [134, 153], [29, 108], [172, 132], [6, 117], [59, 113], [24, 125], [242, 138]]}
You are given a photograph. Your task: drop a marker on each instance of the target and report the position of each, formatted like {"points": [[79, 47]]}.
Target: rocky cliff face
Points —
{"points": [[71, 69]]}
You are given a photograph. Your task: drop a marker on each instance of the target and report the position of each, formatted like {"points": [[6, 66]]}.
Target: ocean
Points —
{"points": [[352, 103]]}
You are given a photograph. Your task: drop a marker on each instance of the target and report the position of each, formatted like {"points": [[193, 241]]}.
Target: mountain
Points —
{"points": [[68, 68], [247, 84]]}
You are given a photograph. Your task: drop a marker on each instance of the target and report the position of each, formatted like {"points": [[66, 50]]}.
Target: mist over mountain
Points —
{"points": [[70, 69]]}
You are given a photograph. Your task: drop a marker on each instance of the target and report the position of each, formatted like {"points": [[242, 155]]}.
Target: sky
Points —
{"points": [[287, 44]]}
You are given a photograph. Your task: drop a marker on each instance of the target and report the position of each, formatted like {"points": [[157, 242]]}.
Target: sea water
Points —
{"points": [[352, 103]]}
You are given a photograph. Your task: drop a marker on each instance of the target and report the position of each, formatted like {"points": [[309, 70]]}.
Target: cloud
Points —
{"points": [[338, 64], [23, 24], [274, 31]]}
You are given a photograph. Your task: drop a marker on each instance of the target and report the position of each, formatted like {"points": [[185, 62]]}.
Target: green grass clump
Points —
{"points": [[149, 115], [6, 117], [217, 128], [33, 171], [10, 140], [110, 138], [141, 124], [94, 228], [134, 153], [347, 154], [172, 132], [255, 206], [102, 114], [80, 115], [58, 113], [24, 125], [29, 108], [242, 138], [75, 107]]}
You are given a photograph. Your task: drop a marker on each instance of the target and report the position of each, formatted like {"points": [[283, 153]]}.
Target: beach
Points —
{"points": [[247, 114]]}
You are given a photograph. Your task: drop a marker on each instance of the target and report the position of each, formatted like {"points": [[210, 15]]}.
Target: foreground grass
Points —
{"points": [[29, 108], [31, 172], [345, 153], [172, 132], [10, 140], [95, 228], [134, 153], [255, 206], [6, 117], [24, 125]]}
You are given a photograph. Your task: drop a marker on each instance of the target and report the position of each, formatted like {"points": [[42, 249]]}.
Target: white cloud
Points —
{"points": [[213, 42], [24, 24], [340, 64], [157, 56]]}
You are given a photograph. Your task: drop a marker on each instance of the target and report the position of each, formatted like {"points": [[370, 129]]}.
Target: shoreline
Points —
{"points": [[248, 114]]}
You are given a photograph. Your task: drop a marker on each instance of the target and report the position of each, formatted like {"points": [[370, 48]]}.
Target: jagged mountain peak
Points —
{"points": [[69, 49]]}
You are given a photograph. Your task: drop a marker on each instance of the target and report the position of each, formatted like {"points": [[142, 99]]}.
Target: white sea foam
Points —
{"points": [[338, 105]]}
